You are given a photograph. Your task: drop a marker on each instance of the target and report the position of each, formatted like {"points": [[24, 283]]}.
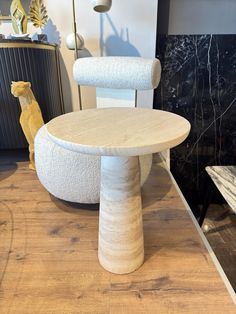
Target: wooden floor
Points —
{"points": [[48, 255], [220, 230]]}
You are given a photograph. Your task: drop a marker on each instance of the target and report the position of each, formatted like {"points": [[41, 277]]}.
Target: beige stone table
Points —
{"points": [[119, 136]]}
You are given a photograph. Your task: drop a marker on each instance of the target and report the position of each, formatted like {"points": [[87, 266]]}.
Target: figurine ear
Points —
{"points": [[28, 84]]}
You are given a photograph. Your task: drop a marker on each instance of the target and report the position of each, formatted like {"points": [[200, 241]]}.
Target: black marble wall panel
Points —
{"points": [[199, 82]]}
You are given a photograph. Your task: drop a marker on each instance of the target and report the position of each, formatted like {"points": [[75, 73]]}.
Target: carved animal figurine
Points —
{"points": [[31, 118]]}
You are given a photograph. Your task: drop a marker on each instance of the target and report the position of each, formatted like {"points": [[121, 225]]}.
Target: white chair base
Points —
{"points": [[71, 176]]}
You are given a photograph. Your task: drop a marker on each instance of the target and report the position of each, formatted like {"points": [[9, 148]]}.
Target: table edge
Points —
{"points": [[204, 240]]}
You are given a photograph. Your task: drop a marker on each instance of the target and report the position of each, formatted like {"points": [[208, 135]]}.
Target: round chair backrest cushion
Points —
{"points": [[118, 72]]}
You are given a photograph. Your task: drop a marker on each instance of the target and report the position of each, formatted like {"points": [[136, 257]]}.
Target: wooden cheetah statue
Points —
{"points": [[31, 118]]}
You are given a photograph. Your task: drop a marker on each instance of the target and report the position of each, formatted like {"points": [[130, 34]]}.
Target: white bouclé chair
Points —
{"points": [[75, 177]]}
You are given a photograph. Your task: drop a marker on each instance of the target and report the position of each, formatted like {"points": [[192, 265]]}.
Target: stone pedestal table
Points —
{"points": [[119, 136]]}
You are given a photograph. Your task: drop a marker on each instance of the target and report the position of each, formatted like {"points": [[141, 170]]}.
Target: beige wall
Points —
{"points": [[202, 17], [129, 28]]}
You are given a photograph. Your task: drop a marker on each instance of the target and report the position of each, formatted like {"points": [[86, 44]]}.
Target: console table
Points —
{"points": [[224, 178], [34, 62], [119, 136]]}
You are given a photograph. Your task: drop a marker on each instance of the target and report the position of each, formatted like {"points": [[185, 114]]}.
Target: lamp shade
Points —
{"points": [[101, 6]]}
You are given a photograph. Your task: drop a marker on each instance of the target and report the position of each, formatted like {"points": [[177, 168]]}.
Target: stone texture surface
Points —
{"points": [[121, 248], [119, 136], [118, 131], [199, 83], [224, 178]]}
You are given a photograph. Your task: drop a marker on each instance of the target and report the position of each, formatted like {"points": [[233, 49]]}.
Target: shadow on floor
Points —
{"points": [[9, 159], [71, 207]]}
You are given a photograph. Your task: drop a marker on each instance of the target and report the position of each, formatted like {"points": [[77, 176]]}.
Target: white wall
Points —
{"points": [[202, 17], [129, 28]]}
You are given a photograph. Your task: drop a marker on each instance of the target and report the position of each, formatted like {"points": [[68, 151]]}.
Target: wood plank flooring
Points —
{"points": [[48, 254]]}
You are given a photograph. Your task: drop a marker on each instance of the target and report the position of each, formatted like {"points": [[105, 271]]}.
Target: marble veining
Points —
{"points": [[199, 82], [224, 178], [120, 244]]}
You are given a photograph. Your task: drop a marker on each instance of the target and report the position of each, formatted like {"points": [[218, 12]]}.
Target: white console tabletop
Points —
{"points": [[224, 178]]}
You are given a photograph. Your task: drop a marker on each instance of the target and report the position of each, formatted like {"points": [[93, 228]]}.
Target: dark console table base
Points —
{"points": [[38, 64]]}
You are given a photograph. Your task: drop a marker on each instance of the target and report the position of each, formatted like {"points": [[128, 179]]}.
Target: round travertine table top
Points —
{"points": [[118, 131]]}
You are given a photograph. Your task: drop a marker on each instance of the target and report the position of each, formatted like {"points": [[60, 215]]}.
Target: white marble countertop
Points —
{"points": [[224, 178]]}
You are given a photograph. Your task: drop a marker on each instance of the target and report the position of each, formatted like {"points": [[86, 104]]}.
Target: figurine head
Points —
{"points": [[20, 88]]}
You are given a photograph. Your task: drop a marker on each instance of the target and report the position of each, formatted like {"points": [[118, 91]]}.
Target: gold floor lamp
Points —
{"points": [[75, 41]]}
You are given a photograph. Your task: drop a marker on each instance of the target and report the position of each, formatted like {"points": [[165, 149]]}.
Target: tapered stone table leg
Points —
{"points": [[114, 134], [120, 247]]}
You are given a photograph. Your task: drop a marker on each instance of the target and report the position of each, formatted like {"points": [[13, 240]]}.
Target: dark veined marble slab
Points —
{"points": [[199, 82]]}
